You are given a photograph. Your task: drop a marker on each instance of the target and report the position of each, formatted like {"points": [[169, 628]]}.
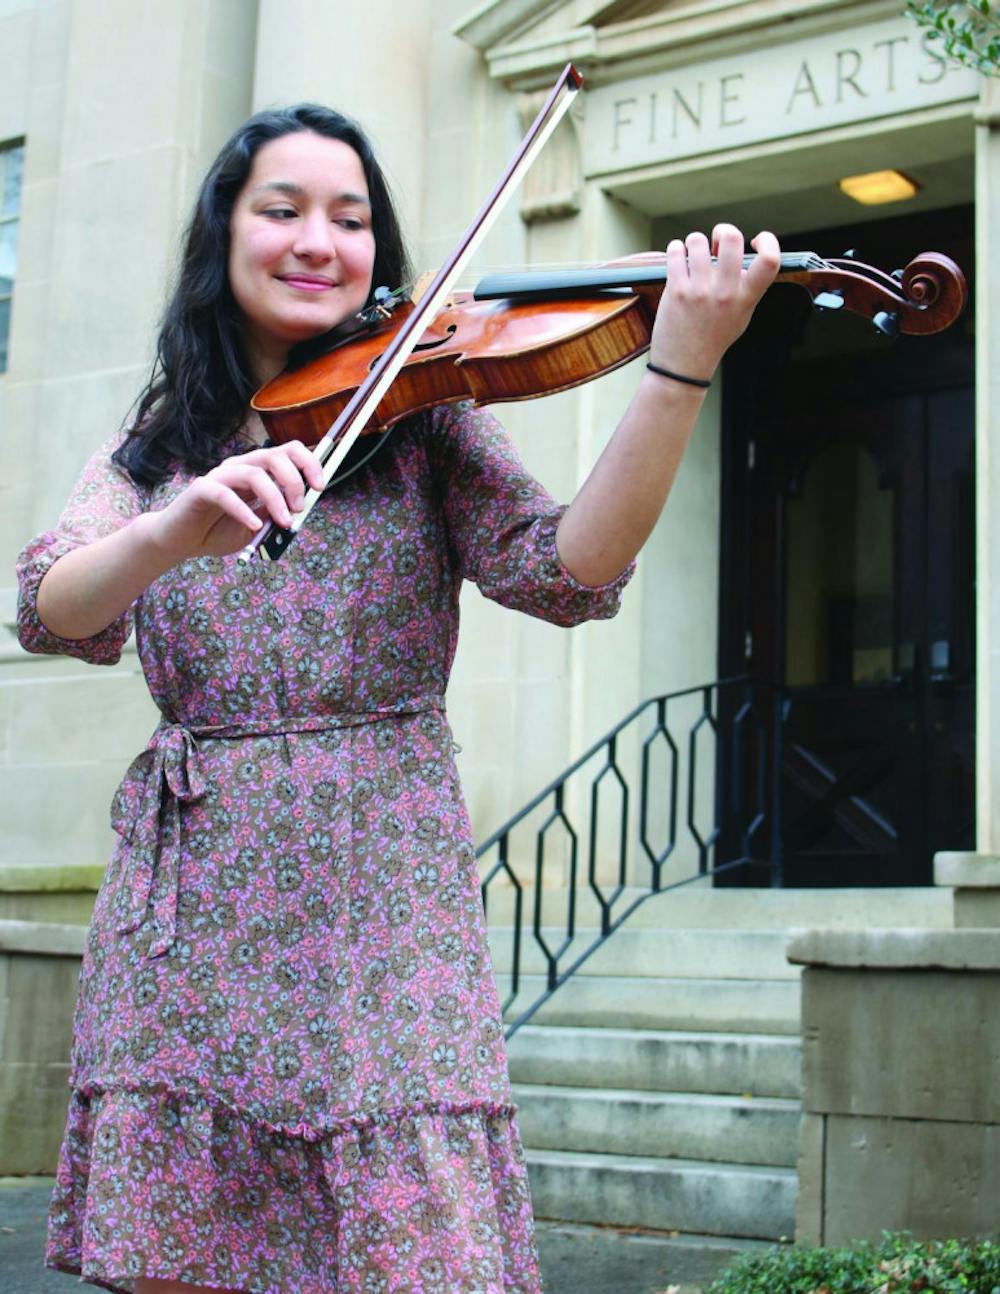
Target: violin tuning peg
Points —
{"points": [[887, 324], [897, 275], [850, 254], [829, 300], [383, 303]]}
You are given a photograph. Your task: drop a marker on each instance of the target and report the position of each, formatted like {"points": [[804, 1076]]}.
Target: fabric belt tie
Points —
{"points": [[147, 807]]}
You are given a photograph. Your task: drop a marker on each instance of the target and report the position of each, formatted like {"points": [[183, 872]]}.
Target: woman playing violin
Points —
{"points": [[288, 1070]]}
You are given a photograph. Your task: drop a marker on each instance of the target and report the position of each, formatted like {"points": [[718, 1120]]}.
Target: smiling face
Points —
{"points": [[301, 248]]}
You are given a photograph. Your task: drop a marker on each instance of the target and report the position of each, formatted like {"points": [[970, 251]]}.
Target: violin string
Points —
{"points": [[480, 270]]}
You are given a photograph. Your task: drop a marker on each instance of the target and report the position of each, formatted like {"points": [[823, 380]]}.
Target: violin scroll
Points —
{"points": [[926, 297], [936, 286]]}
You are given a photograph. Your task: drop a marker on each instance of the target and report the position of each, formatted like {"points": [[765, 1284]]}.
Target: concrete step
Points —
{"points": [[657, 1060], [700, 906], [672, 953], [663, 1194], [578, 1259], [666, 1125], [708, 1005]]}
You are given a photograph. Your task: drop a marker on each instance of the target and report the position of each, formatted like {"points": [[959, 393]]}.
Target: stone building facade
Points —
{"points": [[692, 113], [831, 528]]}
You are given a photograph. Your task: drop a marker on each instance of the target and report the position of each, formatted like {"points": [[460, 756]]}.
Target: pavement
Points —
{"points": [[574, 1259]]}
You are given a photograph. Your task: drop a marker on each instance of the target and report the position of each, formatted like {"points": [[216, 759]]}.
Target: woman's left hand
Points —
{"points": [[707, 303]]}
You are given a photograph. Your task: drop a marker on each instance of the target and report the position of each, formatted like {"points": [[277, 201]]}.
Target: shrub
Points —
{"points": [[899, 1264]]}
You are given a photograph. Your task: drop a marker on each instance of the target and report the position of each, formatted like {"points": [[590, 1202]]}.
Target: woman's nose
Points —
{"points": [[315, 238]]}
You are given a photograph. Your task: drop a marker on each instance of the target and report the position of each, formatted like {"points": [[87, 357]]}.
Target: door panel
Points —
{"points": [[847, 582]]}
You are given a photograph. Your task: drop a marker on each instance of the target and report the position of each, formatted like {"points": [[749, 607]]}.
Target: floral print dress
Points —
{"points": [[288, 1072]]}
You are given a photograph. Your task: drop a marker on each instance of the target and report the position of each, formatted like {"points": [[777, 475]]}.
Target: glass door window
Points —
{"points": [[840, 563]]}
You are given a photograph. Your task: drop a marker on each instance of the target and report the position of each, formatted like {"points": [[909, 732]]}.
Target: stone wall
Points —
{"points": [[901, 1109], [122, 105], [39, 972]]}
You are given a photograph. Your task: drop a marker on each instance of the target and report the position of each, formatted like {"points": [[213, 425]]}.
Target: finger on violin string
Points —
{"points": [[699, 257], [763, 269], [727, 248], [677, 267]]}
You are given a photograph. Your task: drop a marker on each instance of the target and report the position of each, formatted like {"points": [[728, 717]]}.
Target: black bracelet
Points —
{"points": [[679, 377]]}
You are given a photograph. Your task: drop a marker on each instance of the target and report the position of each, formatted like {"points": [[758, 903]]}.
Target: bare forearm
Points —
{"points": [[618, 505], [706, 305], [90, 587]]}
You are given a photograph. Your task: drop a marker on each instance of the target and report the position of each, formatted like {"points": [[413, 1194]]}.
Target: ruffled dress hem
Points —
{"points": [[170, 1180]]}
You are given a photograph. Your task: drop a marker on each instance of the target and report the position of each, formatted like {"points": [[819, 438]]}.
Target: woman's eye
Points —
{"points": [[351, 222], [280, 213]]}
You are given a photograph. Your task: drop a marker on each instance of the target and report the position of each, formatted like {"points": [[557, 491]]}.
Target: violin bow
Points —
{"points": [[272, 540]]}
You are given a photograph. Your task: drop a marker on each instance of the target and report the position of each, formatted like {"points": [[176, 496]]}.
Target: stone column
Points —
{"points": [[124, 106], [988, 467], [981, 889]]}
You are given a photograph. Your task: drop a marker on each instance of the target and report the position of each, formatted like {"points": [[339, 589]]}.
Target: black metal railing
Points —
{"points": [[731, 797]]}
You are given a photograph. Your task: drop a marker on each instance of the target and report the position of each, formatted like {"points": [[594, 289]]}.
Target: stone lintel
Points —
{"points": [[967, 870], [44, 937], [672, 36], [71, 878], [949, 950], [494, 21]]}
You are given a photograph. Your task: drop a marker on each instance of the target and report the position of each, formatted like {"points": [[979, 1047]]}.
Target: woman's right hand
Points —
{"points": [[89, 587], [218, 513]]}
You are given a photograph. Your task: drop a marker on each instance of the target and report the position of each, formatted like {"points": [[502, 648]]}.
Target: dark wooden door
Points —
{"points": [[847, 582]]}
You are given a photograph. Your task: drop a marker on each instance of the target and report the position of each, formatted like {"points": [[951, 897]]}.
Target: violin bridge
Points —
{"points": [[421, 284]]}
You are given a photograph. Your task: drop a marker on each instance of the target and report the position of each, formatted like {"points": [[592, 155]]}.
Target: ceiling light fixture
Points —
{"points": [[879, 186]]}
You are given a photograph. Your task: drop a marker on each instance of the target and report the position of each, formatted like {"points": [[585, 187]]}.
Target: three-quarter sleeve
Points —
{"points": [[502, 524], [103, 500]]}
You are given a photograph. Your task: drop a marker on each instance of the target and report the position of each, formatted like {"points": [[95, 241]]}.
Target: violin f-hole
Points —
{"points": [[449, 332]]}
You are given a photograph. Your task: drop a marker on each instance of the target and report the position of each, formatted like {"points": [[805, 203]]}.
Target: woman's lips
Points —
{"points": [[307, 283]]}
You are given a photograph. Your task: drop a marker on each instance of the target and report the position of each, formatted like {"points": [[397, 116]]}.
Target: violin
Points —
{"points": [[515, 337], [519, 336]]}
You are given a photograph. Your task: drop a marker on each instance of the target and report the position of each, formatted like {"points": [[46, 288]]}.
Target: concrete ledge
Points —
{"points": [[45, 938], [967, 871], [974, 880], [75, 878], [956, 950], [51, 894]]}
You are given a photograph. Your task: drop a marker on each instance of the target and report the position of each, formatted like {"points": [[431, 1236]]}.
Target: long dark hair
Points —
{"points": [[198, 391]]}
